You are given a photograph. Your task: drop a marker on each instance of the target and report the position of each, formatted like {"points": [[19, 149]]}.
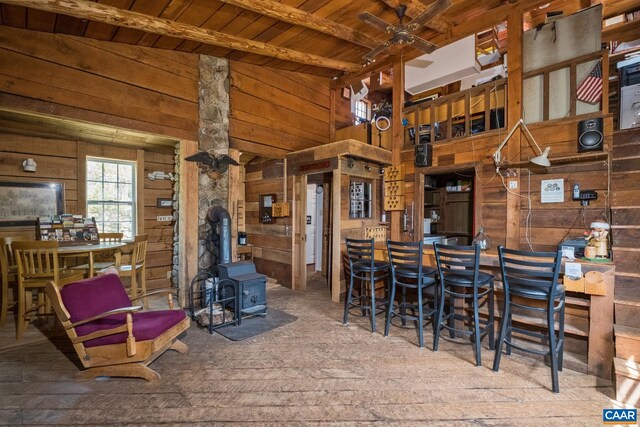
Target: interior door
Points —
{"points": [[310, 224], [298, 258]]}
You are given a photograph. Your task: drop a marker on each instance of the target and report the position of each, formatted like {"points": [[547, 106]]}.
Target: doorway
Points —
{"points": [[449, 206], [317, 224]]}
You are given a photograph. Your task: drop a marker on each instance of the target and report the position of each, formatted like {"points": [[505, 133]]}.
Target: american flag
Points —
{"points": [[590, 90]]}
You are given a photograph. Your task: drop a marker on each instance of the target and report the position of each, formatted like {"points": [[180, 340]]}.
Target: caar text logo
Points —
{"points": [[620, 416]]}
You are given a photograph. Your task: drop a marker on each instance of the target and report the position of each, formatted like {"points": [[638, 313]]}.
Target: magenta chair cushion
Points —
{"points": [[90, 297]]}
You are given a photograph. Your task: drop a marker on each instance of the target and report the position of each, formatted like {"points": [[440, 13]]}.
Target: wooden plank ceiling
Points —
{"points": [[322, 37]]}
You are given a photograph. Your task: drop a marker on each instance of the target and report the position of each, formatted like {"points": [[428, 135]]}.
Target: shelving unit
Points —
{"points": [[454, 209]]}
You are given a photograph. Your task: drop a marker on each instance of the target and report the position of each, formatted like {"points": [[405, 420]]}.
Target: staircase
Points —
{"points": [[625, 228]]}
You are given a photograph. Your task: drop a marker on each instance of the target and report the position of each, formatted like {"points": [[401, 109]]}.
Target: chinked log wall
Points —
{"points": [[136, 88], [274, 112]]}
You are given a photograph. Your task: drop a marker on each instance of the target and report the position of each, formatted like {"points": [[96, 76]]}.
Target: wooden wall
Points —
{"points": [[128, 87], [271, 242], [274, 112], [625, 215], [62, 161], [550, 223], [143, 89]]}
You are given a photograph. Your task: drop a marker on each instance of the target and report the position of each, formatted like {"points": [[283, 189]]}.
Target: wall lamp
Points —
{"points": [[29, 165], [160, 175], [540, 160]]}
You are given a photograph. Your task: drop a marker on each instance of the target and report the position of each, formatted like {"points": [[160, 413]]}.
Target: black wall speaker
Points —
{"points": [[422, 155], [590, 136]]}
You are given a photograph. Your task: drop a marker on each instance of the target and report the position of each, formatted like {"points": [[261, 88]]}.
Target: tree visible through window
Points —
{"points": [[111, 195]]}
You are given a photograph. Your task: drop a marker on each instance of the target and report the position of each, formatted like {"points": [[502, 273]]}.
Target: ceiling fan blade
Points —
{"points": [[376, 22], [423, 45], [436, 8], [369, 57]]}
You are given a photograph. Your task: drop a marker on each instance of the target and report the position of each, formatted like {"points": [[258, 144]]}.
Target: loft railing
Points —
{"points": [[551, 92], [458, 115]]}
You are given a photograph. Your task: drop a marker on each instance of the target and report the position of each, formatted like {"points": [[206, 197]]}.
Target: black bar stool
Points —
{"points": [[407, 272], [529, 278], [364, 268], [461, 278]]}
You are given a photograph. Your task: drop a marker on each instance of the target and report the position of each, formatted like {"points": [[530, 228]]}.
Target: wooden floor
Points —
{"points": [[312, 371]]}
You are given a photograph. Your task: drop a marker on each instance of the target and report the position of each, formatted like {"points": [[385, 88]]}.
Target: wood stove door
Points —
{"points": [[299, 230]]}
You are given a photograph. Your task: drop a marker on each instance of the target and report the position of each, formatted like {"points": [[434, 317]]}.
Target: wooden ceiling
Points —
{"points": [[323, 37]]}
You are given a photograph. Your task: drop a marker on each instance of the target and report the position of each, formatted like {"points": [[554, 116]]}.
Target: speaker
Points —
{"points": [[422, 155], [590, 136]]}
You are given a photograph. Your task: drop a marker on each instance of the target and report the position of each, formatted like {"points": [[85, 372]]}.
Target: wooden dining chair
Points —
{"points": [[135, 267], [37, 263], [102, 260], [8, 274]]}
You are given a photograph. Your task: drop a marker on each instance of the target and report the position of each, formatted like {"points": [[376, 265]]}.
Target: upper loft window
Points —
{"points": [[111, 196], [362, 111]]}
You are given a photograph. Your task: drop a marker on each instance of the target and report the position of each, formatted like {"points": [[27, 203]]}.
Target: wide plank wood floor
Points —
{"points": [[314, 371]]}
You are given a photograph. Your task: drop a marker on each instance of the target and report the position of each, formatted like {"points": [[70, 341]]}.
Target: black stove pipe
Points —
{"points": [[218, 214]]}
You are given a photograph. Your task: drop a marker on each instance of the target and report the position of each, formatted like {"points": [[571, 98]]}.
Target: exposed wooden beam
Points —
{"points": [[616, 8], [415, 8], [283, 12], [84, 9]]}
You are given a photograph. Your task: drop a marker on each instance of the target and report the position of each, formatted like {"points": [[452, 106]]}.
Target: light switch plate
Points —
{"points": [[164, 218], [513, 185]]}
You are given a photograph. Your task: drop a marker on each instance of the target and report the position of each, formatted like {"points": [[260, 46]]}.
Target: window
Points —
{"points": [[360, 199], [362, 111], [111, 197]]}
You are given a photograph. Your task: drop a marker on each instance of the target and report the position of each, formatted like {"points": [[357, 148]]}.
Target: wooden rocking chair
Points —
{"points": [[111, 336]]}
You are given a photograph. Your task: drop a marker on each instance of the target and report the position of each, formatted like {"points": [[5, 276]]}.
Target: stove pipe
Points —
{"points": [[218, 214]]}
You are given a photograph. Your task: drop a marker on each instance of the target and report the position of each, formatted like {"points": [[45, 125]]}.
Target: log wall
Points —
{"points": [[274, 112], [548, 223], [137, 88], [84, 80], [62, 161], [271, 242]]}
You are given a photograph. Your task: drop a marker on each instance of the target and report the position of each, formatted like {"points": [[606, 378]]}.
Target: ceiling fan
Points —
{"points": [[403, 34]]}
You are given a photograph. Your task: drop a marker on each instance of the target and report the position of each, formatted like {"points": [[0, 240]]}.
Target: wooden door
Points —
{"points": [[299, 231]]}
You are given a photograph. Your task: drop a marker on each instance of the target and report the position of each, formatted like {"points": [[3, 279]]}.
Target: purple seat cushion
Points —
{"points": [[90, 297], [147, 325]]}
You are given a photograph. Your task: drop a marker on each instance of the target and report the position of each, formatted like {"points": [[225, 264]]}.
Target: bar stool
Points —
{"points": [[407, 272], [532, 277], [461, 279], [364, 268]]}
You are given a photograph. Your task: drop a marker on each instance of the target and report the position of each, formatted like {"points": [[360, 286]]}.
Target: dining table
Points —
{"points": [[89, 250]]}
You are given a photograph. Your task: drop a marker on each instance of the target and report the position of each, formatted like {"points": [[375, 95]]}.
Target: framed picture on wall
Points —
{"points": [[346, 93], [22, 203]]}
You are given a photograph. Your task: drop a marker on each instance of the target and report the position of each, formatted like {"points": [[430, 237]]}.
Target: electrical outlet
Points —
{"points": [[164, 218]]}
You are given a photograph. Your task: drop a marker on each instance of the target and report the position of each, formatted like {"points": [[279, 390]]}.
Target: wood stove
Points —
{"points": [[251, 287]]}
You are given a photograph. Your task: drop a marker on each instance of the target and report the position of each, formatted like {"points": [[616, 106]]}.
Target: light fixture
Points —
{"points": [[540, 160], [160, 175], [29, 165]]}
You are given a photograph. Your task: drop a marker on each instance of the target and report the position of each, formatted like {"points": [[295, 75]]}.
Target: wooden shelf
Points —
{"points": [[562, 160], [622, 32]]}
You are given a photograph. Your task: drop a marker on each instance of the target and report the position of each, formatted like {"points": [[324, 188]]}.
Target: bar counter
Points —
{"points": [[600, 333]]}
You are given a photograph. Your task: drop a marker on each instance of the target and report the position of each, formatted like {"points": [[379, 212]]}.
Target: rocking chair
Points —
{"points": [[111, 336]]}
